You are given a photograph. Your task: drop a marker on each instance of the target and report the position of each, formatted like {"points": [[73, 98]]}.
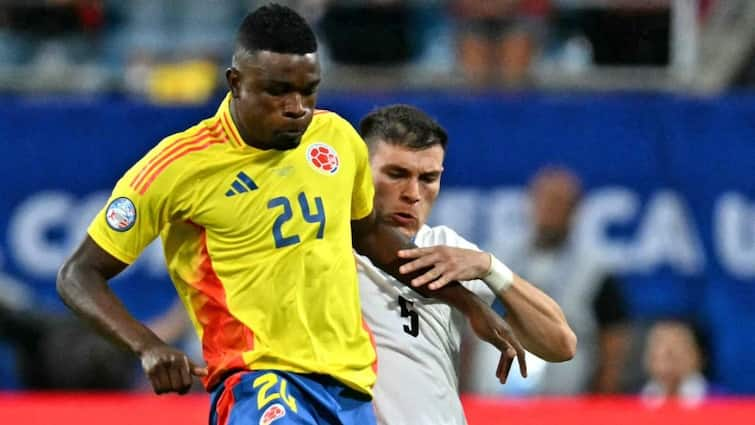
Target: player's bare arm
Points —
{"points": [[82, 284], [381, 243], [538, 321], [536, 318]]}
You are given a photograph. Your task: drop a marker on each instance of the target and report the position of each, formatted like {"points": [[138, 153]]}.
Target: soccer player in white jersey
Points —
{"points": [[418, 339]]}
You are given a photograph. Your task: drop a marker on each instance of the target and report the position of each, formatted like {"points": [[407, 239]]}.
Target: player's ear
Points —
{"points": [[233, 78]]}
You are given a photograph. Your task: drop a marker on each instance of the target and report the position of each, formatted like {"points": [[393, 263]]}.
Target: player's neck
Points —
{"points": [[549, 240]]}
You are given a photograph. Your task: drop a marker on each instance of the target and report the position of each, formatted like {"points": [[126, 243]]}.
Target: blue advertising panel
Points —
{"points": [[669, 192]]}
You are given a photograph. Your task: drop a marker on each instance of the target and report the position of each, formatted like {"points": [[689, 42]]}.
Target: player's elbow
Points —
{"points": [[561, 345], [61, 280], [64, 281], [567, 345]]}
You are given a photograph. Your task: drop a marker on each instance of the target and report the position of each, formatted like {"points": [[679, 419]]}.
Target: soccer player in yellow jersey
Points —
{"points": [[258, 208]]}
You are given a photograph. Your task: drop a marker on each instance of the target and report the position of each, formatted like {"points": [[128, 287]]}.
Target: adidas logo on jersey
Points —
{"points": [[243, 183]]}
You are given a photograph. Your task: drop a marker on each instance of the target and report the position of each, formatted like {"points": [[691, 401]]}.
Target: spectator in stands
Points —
{"points": [[171, 49], [59, 352], [371, 32], [49, 32], [498, 39], [588, 294], [630, 33], [674, 363], [177, 29]]}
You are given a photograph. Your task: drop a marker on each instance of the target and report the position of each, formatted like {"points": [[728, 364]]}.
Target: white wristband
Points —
{"points": [[499, 277]]}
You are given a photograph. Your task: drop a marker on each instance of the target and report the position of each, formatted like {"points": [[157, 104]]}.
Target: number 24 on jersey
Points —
{"points": [[318, 217]]}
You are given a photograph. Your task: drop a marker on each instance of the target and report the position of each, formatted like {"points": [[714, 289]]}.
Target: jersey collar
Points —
{"points": [[224, 115]]}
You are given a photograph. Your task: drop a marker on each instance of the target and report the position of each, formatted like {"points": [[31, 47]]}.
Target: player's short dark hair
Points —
{"points": [[402, 125], [278, 29]]}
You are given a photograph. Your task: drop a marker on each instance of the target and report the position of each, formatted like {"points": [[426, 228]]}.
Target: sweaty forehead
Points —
{"points": [[283, 66]]}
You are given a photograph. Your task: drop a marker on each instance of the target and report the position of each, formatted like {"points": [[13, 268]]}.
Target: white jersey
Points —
{"points": [[418, 341]]}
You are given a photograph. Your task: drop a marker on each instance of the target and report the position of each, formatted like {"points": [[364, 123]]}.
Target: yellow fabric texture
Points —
{"points": [[257, 243]]}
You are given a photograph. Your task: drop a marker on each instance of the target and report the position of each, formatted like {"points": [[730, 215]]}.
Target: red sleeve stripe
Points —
{"points": [[193, 146], [167, 150], [231, 129]]}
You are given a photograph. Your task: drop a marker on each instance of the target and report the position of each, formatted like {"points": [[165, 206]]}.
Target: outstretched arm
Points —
{"points": [[538, 321], [381, 243], [535, 317], [82, 284]]}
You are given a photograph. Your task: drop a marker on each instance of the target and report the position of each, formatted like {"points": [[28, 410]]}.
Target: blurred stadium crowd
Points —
{"points": [[174, 51], [151, 47]]}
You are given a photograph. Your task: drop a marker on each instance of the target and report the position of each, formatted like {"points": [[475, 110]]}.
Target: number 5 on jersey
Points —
{"points": [[406, 311], [287, 214]]}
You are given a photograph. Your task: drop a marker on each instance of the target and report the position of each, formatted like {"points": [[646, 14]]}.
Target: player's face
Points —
{"points": [[274, 96], [407, 182], [671, 353], [553, 202]]}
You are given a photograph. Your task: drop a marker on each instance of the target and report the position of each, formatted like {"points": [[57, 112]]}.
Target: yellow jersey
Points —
{"points": [[257, 244]]}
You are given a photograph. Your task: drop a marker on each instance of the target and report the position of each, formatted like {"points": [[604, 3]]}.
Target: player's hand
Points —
{"points": [[445, 264], [169, 369], [490, 327]]}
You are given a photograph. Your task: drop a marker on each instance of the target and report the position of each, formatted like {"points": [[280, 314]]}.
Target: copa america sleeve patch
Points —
{"points": [[121, 214]]}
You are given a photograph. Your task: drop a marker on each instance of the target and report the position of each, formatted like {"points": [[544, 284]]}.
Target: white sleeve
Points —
{"points": [[443, 235]]}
